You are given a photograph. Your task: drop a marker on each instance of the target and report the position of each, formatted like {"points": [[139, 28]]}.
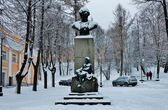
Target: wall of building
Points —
{"points": [[10, 68]]}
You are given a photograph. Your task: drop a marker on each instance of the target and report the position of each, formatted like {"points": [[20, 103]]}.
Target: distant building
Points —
{"points": [[12, 56]]}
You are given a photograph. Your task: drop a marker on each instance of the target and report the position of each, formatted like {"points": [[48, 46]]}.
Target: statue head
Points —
{"points": [[87, 60], [84, 26], [84, 13]]}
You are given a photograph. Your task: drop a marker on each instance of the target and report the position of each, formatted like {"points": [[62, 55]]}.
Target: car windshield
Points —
{"points": [[132, 77], [122, 77]]}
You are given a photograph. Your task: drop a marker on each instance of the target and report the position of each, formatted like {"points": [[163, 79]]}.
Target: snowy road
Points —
{"points": [[150, 95]]}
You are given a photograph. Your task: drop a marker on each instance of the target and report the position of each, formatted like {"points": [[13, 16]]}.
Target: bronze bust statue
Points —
{"points": [[84, 26]]}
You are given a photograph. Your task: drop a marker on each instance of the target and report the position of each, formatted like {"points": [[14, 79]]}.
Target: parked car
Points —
{"points": [[65, 82], [125, 81]]}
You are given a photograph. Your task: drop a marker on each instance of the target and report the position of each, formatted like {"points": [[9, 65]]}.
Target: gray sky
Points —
{"points": [[102, 10]]}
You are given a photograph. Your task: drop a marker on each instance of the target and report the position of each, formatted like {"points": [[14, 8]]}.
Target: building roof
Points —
{"points": [[14, 45], [11, 40]]}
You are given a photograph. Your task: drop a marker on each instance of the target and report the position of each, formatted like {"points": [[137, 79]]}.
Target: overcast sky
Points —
{"points": [[102, 10]]}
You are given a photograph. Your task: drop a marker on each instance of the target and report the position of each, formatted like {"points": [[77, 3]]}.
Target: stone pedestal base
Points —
{"points": [[84, 47], [84, 86]]}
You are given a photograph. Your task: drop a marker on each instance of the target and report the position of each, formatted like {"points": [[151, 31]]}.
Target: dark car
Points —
{"points": [[125, 81], [65, 82]]}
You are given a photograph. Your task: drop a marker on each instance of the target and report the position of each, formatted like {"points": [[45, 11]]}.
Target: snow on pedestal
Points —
{"points": [[84, 37]]}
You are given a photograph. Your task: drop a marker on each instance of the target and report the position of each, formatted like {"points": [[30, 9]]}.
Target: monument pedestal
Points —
{"points": [[85, 86], [84, 47]]}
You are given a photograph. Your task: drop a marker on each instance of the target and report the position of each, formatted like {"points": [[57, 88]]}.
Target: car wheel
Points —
{"points": [[126, 84], [133, 85], [114, 84]]}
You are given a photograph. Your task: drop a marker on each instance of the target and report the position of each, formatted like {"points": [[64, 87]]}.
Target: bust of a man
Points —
{"points": [[84, 26]]}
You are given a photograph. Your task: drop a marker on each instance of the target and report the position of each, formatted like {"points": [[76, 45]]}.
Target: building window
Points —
{"points": [[13, 58], [4, 56]]}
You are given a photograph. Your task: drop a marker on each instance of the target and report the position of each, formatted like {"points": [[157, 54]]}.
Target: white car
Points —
{"points": [[125, 81]]}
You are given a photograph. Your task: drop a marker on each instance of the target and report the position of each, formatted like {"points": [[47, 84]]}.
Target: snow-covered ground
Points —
{"points": [[149, 95]]}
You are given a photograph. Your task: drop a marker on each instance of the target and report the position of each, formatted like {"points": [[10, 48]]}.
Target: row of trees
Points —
{"points": [[46, 26], [138, 42]]}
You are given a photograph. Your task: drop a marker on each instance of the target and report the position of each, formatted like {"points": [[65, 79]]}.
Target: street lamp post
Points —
{"points": [[142, 63], [101, 72], [1, 93], [101, 76]]}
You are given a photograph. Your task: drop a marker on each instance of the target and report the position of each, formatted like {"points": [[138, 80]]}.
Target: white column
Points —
{"points": [[10, 63]]}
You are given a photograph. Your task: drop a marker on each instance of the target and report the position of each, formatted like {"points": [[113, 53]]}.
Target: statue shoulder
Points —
{"points": [[76, 25], [92, 24]]}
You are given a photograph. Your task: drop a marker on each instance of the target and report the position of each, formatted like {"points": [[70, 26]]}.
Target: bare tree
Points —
{"points": [[163, 4], [120, 26], [155, 32], [36, 66], [20, 75]]}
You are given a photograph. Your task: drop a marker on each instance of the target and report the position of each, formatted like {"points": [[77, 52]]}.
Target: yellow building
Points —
{"points": [[12, 56]]}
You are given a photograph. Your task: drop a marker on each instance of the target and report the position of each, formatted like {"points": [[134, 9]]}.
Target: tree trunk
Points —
{"points": [[19, 76], [109, 69], [166, 24], [137, 67], [36, 68], [166, 68], [166, 16], [53, 79], [19, 83], [18, 87], [41, 45], [38, 57], [53, 70], [75, 14], [122, 47], [143, 70], [158, 67], [35, 79], [45, 79], [67, 67], [60, 70]]}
